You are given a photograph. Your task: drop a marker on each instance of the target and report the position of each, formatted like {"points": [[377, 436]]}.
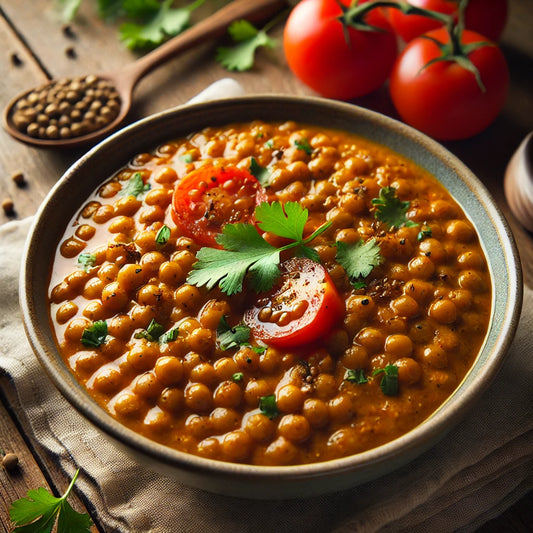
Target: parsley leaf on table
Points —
{"points": [[244, 251], [391, 210], [159, 21], [248, 38], [39, 510], [359, 259]]}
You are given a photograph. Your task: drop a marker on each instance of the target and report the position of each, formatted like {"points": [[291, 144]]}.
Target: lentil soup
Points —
{"points": [[393, 329]]}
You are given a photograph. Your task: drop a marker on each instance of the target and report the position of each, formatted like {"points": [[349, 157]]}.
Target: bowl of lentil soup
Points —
{"points": [[272, 296]]}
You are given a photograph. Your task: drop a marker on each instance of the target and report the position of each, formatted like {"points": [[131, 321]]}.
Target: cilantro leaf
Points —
{"points": [[262, 174], [389, 381], [424, 233], [248, 38], [135, 186], [358, 259], [268, 406], [244, 248], [169, 336], [39, 510], [286, 220], [391, 210], [163, 23], [303, 144], [186, 158], [162, 235], [86, 261], [108, 9], [356, 376], [235, 337], [246, 251], [95, 335]]}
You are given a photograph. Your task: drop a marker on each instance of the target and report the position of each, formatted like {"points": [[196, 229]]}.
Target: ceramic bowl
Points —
{"points": [[291, 481]]}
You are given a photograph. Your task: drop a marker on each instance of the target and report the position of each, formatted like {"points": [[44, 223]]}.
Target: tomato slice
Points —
{"points": [[209, 197], [303, 307]]}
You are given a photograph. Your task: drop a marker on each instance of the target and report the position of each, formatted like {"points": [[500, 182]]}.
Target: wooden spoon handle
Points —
{"points": [[211, 27]]}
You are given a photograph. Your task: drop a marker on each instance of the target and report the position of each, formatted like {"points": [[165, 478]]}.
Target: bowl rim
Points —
{"points": [[406, 446]]}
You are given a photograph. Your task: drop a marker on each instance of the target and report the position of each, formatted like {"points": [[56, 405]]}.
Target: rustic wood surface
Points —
{"points": [[34, 49]]}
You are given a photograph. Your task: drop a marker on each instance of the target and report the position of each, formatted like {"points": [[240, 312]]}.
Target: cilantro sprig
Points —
{"points": [[359, 259], [232, 337], [155, 332], [246, 253], [248, 39], [95, 335], [389, 382], [135, 186], [39, 511], [391, 210]]}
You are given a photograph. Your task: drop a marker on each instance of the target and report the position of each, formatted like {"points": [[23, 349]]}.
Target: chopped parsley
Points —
{"points": [[389, 381], [424, 233], [135, 186], [155, 332], [186, 158], [248, 39], [245, 252], [95, 335], [303, 144], [232, 337], [86, 261], [163, 235], [359, 259], [237, 377], [268, 406], [391, 210], [356, 376], [262, 174], [39, 511]]}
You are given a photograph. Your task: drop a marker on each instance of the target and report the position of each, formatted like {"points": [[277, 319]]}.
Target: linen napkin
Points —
{"points": [[479, 469]]}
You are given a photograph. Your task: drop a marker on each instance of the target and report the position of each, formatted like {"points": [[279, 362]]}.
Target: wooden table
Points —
{"points": [[36, 47]]}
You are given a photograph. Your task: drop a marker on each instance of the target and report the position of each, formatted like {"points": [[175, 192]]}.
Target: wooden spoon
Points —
{"points": [[125, 79], [518, 183]]}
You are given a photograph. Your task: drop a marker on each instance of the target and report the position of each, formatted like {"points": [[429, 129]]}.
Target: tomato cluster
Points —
{"points": [[450, 83]]}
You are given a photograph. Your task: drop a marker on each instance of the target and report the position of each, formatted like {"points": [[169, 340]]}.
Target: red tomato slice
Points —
{"points": [[210, 197], [303, 307]]}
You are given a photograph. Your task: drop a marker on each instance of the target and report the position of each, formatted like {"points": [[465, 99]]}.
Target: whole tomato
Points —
{"points": [[487, 17], [333, 58], [444, 99]]}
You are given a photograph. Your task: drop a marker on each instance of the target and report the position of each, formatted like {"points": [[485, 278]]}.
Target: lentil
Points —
{"points": [[67, 101], [424, 309]]}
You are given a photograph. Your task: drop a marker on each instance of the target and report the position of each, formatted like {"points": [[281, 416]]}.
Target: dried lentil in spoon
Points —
{"points": [[67, 108]]}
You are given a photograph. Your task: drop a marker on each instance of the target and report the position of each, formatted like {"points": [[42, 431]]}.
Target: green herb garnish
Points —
{"points": [[86, 261], [95, 335], [158, 22], [356, 376], [262, 174], [391, 210], [245, 252], [389, 381], [186, 158], [237, 377], [359, 259], [232, 337], [163, 235], [268, 406], [135, 186], [424, 233], [269, 144], [39, 511], [248, 39], [155, 332], [303, 144]]}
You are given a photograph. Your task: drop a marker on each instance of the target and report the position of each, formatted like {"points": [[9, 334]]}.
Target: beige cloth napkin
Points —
{"points": [[479, 469]]}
